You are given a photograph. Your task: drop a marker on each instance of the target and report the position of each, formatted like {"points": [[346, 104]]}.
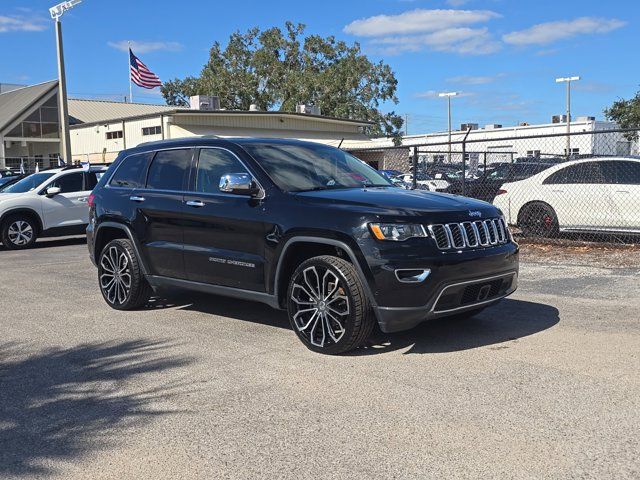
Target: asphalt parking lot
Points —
{"points": [[544, 385]]}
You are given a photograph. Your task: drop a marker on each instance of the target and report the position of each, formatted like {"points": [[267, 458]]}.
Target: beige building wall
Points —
{"points": [[92, 142]]}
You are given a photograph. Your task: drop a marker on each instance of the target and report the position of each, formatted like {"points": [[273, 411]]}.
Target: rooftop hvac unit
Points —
{"points": [[492, 126], [254, 108], [207, 103], [524, 124], [308, 109], [585, 119], [559, 119], [469, 126]]}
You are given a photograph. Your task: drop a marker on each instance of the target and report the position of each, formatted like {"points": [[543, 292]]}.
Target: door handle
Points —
{"points": [[135, 198], [195, 203]]}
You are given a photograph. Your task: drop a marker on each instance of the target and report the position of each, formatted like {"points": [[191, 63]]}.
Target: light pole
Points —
{"points": [[63, 107], [448, 95], [568, 81]]}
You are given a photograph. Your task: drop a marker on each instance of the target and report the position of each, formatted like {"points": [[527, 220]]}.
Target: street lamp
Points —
{"points": [[63, 107], [568, 81], [448, 95]]}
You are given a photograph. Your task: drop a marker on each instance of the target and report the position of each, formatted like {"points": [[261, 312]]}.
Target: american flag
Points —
{"points": [[141, 75]]}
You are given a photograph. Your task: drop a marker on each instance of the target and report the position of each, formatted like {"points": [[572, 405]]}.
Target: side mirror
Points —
{"points": [[52, 191], [239, 184]]}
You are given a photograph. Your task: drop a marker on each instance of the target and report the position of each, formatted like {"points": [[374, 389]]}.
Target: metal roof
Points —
{"points": [[15, 102], [97, 111]]}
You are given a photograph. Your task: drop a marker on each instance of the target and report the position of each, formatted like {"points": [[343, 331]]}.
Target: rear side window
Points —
{"points": [[588, 172], [130, 173], [90, 180], [168, 169]]}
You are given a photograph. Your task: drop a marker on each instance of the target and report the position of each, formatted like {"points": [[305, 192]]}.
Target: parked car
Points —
{"points": [[284, 222], [593, 195], [49, 203], [390, 173], [423, 182], [7, 180], [487, 185]]}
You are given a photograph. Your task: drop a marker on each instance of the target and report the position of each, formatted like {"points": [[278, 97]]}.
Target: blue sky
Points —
{"points": [[503, 55]]}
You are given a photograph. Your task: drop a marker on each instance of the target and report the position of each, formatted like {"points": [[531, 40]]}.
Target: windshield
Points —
{"points": [[299, 168], [28, 183]]}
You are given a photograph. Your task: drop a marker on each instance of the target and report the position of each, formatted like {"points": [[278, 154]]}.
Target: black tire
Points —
{"points": [[120, 277], [538, 219], [346, 324], [19, 232]]}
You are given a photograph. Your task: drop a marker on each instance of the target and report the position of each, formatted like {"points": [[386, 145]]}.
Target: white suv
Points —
{"points": [[49, 203]]}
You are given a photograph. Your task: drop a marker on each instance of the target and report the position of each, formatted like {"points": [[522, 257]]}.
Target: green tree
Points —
{"points": [[277, 69], [626, 113]]}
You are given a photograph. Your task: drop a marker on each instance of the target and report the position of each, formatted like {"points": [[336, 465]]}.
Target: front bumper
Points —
{"points": [[450, 299], [458, 282]]}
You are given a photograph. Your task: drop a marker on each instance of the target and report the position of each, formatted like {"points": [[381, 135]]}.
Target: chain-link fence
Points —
{"points": [[583, 186]]}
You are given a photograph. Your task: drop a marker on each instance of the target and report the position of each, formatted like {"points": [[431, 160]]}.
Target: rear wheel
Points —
{"points": [[328, 307], [122, 282], [538, 220], [19, 232]]}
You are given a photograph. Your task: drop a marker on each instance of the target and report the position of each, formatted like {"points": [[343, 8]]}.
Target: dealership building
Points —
{"points": [[29, 129]]}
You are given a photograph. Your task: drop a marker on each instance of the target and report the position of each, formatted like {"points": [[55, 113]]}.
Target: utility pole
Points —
{"points": [[448, 95], [63, 106], [568, 81]]}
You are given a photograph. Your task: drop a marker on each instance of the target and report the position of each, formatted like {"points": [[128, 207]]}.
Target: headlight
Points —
{"points": [[397, 232]]}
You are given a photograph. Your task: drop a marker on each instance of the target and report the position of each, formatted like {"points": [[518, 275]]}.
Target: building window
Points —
{"points": [[114, 135], [533, 153], [152, 131]]}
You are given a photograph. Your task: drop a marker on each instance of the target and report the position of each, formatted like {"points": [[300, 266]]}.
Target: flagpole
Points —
{"points": [[129, 70]]}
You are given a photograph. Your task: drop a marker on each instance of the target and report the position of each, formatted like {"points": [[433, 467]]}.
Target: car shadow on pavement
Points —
{"points": [[507, 321], [244, 310], [62, 404]]}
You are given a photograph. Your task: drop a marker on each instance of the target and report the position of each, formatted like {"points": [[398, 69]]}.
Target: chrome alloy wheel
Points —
{"points": [[321, 306], [115, 276], [20, 233]]}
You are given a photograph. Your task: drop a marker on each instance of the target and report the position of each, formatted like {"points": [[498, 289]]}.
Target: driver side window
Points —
{"points": [[213, 163], [69, 183]]}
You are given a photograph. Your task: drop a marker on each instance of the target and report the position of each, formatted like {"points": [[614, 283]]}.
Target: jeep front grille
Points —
{"points": [[481, 233]]}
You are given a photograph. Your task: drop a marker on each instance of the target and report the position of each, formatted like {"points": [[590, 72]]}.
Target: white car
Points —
{"points": [[48, 203], [424, 181], [589, 195]]}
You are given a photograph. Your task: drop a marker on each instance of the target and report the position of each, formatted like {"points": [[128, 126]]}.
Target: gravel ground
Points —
{"points": [[544, 385]]}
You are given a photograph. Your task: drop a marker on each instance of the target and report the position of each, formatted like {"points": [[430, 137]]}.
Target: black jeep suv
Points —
{"points": [[299, 226]]}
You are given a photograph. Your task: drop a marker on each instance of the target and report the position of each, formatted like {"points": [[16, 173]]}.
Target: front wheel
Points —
{"points": [[19, 232], [122, 282], [328, 307]]}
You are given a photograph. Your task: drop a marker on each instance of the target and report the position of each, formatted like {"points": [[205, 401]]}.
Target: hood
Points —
{"points": [[398, 201], [9, 196]]}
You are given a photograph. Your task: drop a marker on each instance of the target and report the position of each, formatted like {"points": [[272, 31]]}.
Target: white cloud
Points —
{"points": [[466, 41], [475, 80], [146, 47], [417, 21], [19, 23], [551, 32]]}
